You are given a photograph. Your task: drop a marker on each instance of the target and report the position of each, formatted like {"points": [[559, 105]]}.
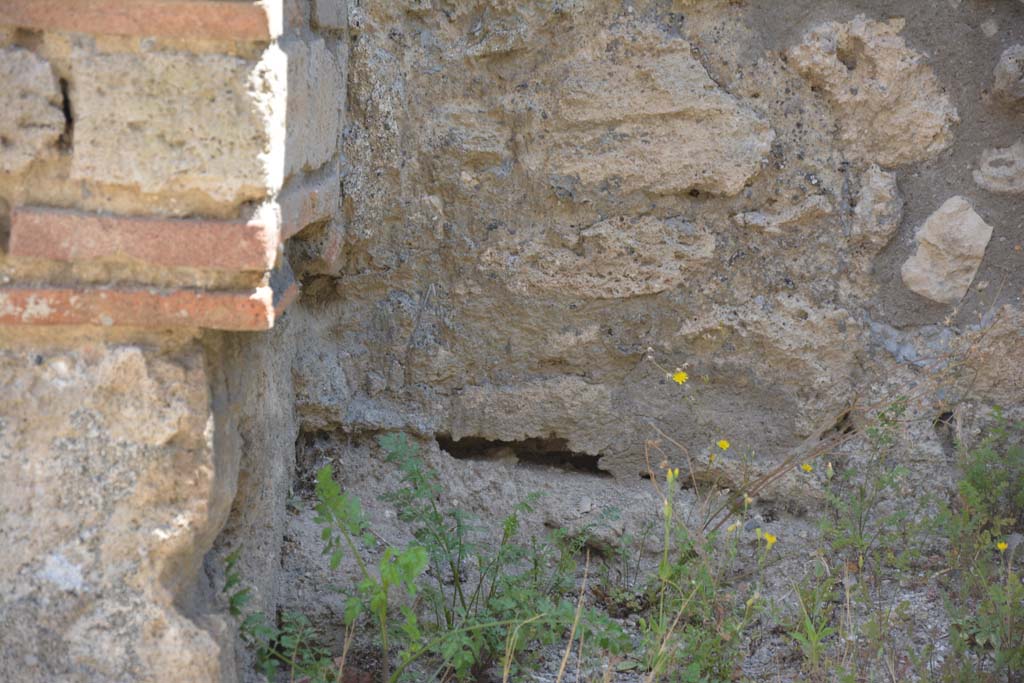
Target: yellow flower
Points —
{"points": [[711, 458], [747, 500], [671, 475], [723, 444], [1002, 545], [807, 467], [680, 376], [769, 540], [732, 527]]}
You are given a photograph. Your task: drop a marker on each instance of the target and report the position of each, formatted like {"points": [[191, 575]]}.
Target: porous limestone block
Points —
{"points": [[110, 494], [175, 122], [648, 118], [950, 246], [316, 94], [889, 105], [31, 117]]}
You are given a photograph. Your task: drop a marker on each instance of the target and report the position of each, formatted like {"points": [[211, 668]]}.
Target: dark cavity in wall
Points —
{"points": [[549, 451]]}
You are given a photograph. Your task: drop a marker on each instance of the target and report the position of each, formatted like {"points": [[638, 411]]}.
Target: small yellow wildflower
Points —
{"points": [[680, 376], [723, 444], [711, 458], [747, 500], [769, 540], [807, 467], [671, 475], [732, 527], [1002, 545]]}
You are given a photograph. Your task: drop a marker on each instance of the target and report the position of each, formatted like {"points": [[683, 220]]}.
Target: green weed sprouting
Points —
{"points": [[464, 596]]}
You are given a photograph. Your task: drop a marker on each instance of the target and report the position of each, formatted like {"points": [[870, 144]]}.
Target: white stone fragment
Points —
{"points": [[950, 247]]}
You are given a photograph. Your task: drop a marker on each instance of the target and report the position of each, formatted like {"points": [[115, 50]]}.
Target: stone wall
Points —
{"points": [[498, 212], [154, 159]]}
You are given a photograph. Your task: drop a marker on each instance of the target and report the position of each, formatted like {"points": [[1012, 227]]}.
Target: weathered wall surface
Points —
{"points": [[769, 192], [499, 210], [154, 158]]}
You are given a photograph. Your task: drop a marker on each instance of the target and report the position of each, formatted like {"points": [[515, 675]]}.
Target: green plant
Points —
{"points": [[343, 528], [816, 594], [984, 592], [695, 624], [480, 589]]}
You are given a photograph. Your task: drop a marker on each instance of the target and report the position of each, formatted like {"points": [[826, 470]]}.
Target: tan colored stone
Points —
{"points": [[879, 209], [612, 259], [316, 94], [31, 118], [203, 19], [172, 122], [993, 358], [1009, 74], [1002, 169], [890, 107], [950, 247], [772, 222], [647, 119], [108, 505]]}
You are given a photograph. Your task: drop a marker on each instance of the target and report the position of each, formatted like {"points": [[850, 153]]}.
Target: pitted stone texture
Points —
{"points": [[175, 122], [950, 247], [1002, 169], [879, 209], [31, 118], [1009, 74], [316, 94], [994, 358], [111, 495], [776, 219], [615, 258], [890, 107], [648, 118]]}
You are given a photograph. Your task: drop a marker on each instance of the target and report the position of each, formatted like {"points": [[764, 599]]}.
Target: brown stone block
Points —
{"points": [[308, 201], [200, 19], [138, 307], [61, 235]]}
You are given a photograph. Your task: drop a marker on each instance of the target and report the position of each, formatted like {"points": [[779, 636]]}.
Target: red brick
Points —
{"points": [[138, 307], [203, 19], [60, 235]]}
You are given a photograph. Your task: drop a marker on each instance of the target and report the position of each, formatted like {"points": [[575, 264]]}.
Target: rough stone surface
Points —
{"points": [[879, 209], [612, 259], [889, 105], [545, 208], [174, 122], [1009, 74], [647, 117], [950, 247], [316, 93], [1002, 169], [31, 118], [108, 506]]}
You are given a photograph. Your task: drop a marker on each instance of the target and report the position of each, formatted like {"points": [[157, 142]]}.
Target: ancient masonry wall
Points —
{"points": [[154, 158]]}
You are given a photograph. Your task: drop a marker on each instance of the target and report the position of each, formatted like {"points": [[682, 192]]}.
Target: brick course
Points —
{"points": [[62, 235]]}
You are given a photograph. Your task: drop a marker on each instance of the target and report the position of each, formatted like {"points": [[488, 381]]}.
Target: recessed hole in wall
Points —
{"points": [[550, 451], [64, 142]]}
